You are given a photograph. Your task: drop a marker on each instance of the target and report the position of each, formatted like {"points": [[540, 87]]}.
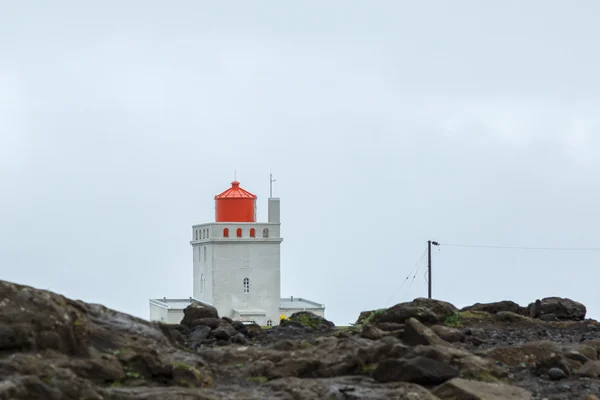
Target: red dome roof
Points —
{"points": [[235, 192]]}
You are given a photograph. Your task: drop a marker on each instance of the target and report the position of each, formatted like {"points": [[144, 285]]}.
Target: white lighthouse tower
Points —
{"points": [[237, 260], [237, 265]]}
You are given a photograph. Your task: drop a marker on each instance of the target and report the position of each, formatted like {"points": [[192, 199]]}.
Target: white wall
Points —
{"points": [[258, 261], [164, 315]]}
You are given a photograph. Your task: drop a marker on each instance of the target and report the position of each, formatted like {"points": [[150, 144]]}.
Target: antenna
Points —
{"points": [[271, 180], [235, 175]]}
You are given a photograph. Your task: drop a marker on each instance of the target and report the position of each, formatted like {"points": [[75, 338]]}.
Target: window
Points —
{"points": [[196, 235], [265, 232], [202, 233], [226, 232], [246, 285], [207, 232], [202, 283], [269, 323], [252, 232], [239, 232], [204, 253]]}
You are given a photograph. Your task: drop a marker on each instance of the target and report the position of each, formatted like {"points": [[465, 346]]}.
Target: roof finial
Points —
{"points": [[271, 180], [235, 175]]}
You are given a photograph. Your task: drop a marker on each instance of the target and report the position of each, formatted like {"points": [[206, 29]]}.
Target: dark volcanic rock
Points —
{"points": [[52, 347], [427, 311], [196, 311], [561, 308], [496, 307], [420, 370]]}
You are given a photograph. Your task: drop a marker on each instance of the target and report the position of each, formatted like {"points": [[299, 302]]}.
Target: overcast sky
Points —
{"points": [[385, 123]]}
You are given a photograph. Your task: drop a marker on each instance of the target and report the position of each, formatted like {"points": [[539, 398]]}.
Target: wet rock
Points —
{"points": [[476, 390], [420, 370], [451, 335], [197, 311]]}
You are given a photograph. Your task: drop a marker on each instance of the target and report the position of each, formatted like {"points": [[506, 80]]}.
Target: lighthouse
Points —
{"points": [[237, 265]]}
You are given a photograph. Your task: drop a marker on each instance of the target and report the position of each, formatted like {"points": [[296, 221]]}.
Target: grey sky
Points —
{"points": [[385, 123]]}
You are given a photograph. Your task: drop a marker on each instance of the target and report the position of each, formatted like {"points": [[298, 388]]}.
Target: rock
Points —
{"points": [[556, 374], [240, 327], [415, 333], [253, 330], [535, 309], [212, 323], [239, 339], [346, 388], [508, 316], [475, 390], [196, 311], [199, 332], [419, 370], [390, 326], [427, 311], [532, 351], [496, 307], [590, 369], [562, 308], [309, 320], [224, 332], [548, 317], [370, 331], [451, 335]]}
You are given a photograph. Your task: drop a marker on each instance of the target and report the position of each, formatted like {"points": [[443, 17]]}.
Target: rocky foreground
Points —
{"points": [[52, 347]]}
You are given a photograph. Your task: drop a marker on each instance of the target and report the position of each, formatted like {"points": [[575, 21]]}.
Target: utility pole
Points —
{"points": [[429, 243]]}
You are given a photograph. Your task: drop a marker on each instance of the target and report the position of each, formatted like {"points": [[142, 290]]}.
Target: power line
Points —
{"points": [[522, 247], [417, 266]]}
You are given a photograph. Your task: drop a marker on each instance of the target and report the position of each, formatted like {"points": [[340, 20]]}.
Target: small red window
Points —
{"points": [[239, 232], [226, 232], [252, 232]]}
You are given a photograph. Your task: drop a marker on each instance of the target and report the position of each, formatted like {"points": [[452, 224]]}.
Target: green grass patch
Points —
{"points": [[457, 320], [257, 379]]}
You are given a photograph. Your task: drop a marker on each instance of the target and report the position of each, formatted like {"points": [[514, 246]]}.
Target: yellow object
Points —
{"points": [[282, 317]]}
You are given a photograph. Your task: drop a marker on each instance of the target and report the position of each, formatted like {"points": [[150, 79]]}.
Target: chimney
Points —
{"points": [[274, 210]]}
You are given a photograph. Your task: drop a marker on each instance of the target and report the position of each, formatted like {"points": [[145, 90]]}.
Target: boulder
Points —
{"points": [[496, 307], [427, 311], [415, 333], [476, 390], [212, 323], [196, 311], [309, 320], [560, 309], [419, 370], [451, 335], [590, 369]]}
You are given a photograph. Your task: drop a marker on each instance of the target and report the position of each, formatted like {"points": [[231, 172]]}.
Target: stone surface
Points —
{"points": [[415, 333], [427, 311], [560, 309], [496, 307], [458, 389], [420, 370], [196, 311], [52, 347]]}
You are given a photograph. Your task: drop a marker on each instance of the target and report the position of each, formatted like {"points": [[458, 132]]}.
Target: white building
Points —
{"points": [[236, 265]]}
